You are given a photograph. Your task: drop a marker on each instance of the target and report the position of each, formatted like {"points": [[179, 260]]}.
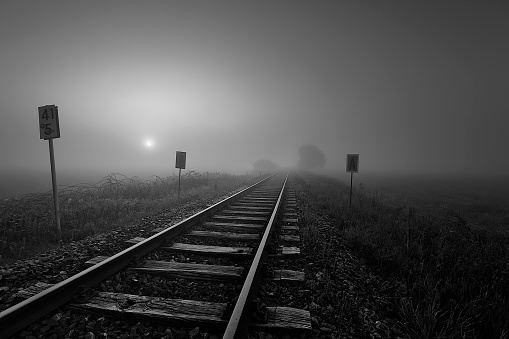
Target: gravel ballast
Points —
{"points": [[345, 299], [58, 264]]}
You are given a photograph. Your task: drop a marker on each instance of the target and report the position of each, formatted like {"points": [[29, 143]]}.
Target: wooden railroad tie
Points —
{"points": [[240, 218], [250, 208], [178, 311], [289, 228], [218, 250], [290, 214], [233, 227], [253, 213], [254, 204], [224, 235], [289, 238], [226, 227], [197, 271]]}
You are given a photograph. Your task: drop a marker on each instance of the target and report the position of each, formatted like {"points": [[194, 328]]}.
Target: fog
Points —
{"points": [[416, 88]]}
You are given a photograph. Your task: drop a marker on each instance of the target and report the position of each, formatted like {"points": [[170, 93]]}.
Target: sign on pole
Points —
{"points": [[180, 163], [49, 129], [352, 163], [48, 122], [352, 166]]}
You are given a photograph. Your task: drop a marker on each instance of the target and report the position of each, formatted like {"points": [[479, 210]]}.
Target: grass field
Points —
{"points": [[27, 224], [443, 250], [444, 254]]}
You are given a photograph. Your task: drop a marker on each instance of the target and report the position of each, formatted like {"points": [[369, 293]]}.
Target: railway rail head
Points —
{"points": [[238, 326]]}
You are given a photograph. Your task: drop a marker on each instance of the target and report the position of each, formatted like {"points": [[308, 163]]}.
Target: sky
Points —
{"points": [[414, 87]]}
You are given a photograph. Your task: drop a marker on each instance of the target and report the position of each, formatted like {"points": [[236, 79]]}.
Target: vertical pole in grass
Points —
{"points": [[351, 185], [180, 170], [352, 166], [55, 192], [49, 129], [180, 163]]}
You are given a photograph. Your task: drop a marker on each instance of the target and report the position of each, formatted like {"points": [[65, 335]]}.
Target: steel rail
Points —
{"points": [[24, 313], [238, 325]]}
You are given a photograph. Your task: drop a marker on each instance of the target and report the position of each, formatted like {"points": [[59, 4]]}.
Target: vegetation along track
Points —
{"points": [[223, 245]]}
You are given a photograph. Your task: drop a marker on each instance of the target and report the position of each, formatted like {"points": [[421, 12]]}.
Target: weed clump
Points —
{"points": [[27, 222], [452, 272]]}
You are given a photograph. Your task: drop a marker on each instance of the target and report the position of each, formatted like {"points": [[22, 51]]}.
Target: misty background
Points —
{"points": [[416, 89]]}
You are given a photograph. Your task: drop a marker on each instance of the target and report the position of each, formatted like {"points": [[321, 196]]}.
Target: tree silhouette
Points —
{"points": [[311, 157], [264, 165]]}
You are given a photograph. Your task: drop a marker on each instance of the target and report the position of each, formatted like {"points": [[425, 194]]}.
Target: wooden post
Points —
{"points": [[55, 192]]}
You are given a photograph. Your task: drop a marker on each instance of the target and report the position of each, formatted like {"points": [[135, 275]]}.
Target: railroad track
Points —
{"points": [[226, 244]]}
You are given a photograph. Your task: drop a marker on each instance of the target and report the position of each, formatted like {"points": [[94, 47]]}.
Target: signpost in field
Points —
{"points": [[49, 129], [180, 163], [352, 166]]}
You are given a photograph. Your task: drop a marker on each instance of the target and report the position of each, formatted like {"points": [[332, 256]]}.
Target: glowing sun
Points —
{"points": [[149, 143]]}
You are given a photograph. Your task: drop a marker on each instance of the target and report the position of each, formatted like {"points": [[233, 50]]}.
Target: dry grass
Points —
{"points": [[27, 223], [451, 275]]}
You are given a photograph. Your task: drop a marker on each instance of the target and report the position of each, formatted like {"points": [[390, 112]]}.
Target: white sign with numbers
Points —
{"points": [[48, 122]]}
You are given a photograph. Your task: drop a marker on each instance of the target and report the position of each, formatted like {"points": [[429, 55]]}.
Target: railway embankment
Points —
{"points": [[389, 268], [380, 269], [346, 298]]}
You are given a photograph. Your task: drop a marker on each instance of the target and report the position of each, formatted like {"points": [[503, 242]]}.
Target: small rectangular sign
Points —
{"points": [[48, 122], [352, 163], [180, 161]]}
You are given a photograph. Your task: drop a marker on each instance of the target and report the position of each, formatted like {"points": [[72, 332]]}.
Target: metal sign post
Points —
{"points": [[180, 163], [49, 129], [352, 166], [178, 195]]}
